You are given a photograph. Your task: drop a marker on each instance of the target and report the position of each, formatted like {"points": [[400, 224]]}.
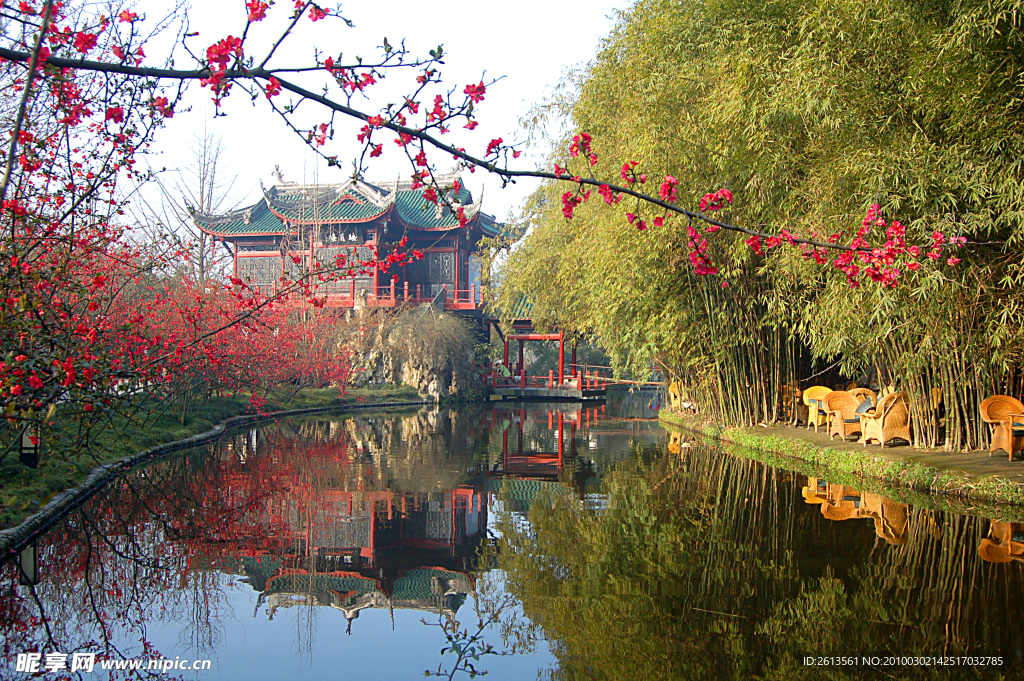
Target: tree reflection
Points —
{"points": [[345, 514]]}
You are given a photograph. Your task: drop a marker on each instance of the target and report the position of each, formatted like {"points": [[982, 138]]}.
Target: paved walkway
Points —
{"points": [[976, 462]]}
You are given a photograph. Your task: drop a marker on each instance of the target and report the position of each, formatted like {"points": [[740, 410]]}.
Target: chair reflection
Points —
{"points": [[1004, 543], [839, 502]]}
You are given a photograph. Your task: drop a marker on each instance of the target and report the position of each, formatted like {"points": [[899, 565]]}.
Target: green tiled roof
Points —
{"points": [[326, 205], [351, 202], [419, 584], [521, 309], [520, 494], [256, 219]]}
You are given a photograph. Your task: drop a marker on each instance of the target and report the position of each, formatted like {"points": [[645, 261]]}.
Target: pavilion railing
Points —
{"points": [[397, 294]]}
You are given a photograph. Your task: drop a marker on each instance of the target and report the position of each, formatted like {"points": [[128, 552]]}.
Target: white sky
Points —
{"points": [[530, 44]]}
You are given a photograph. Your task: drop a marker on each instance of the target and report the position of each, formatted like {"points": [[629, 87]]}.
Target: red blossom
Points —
{"points": [[163, 107], [321, 136], [667, 191], [273, 87], [84, 41], [475, 92], [127, 16], [257, 10], [220, 52]]}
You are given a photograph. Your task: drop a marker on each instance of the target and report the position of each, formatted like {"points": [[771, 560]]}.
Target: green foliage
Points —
{"points": [[809, 112]]}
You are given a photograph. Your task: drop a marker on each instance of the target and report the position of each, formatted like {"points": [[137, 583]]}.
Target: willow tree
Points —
{"points": [[810, 113]]}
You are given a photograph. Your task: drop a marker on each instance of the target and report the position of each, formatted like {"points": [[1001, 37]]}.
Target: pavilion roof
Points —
{"points": [[351, 202]]}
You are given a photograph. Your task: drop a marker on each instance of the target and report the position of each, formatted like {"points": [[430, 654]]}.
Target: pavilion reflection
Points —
{"points": [[343, 529]]}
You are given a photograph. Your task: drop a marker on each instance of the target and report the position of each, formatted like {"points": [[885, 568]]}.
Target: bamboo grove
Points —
{"points": [[809, 113]]}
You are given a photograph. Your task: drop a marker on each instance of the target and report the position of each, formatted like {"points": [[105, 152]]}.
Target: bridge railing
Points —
{"points": [[589, 380]]}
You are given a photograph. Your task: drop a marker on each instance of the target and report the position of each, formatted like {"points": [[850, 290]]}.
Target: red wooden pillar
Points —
{"points": [[506, 352], [522, 367], [551, 379], [373, 534], [457, 255], [419, 294], [376, 283], [561, 358], [352, 289], [472, 293], [574, 359], [560, 443], [392, 291], [405, 289]]}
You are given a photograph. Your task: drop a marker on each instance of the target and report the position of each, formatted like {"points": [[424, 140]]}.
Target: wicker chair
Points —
{"points": [[789, 399], [862, 394], [814, 399], [815, 491], [890, 420], [842, 414], [1007, 431]]}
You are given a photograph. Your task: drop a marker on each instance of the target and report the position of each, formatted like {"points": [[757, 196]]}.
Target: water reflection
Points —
{"points": [[839, 502], [318, 522], [710, 566], [587, 541]]}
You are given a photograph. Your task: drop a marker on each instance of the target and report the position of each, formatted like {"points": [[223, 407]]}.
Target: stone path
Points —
{"points": [[976, 462]]}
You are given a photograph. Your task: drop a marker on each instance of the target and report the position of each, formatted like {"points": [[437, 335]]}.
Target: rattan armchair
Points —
{"points": [[814, 399], [862, 394], [891, 419], [1006, 415], [841, 407]]}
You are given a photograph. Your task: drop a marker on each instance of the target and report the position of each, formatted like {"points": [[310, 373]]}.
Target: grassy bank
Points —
{"points": [[24, 490], [905, 481]]}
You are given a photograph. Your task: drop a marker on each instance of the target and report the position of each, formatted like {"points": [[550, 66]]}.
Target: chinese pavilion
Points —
{"points": [[295, 226]]}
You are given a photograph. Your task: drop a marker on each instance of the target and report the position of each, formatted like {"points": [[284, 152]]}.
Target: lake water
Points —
{"points": [[524, 540]]}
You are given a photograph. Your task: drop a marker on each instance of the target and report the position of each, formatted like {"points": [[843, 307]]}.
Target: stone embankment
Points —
{"points": [[962, 481]]}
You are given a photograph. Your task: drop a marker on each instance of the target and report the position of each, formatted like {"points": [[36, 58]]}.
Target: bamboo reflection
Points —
{"points": [[710, 565]]}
